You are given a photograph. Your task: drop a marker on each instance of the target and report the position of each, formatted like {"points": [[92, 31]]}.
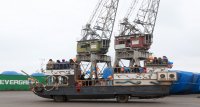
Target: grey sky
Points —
{"points": [[31, 30]]}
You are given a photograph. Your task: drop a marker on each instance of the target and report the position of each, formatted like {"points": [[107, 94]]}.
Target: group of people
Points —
{"points": [[52, 65], [135, 69], [157, 60]]}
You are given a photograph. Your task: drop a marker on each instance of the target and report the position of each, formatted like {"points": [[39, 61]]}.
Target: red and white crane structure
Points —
{"points": [[136, 37]]}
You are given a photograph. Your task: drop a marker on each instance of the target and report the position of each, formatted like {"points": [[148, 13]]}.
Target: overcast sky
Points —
{"points": [[32, 30]]}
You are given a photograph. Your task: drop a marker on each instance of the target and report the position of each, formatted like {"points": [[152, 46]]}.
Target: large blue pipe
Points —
{"points": [[195, 84], [184, 83]]}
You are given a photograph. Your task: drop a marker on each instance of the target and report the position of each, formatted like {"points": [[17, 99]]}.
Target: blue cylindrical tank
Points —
{"points": [[10, 73], [184, 83]]}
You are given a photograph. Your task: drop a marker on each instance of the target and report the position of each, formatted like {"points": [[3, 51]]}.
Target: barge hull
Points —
{"points": [[100, 92]]}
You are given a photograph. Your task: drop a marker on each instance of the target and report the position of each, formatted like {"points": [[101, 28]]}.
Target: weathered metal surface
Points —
{"points": [[157, 68], [135, 76], [134, 82], [60, 72], [103, 92]]}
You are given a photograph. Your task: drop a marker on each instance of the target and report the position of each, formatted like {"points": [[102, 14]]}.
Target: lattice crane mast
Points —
{"points": [[97, 33], [136, 37]]}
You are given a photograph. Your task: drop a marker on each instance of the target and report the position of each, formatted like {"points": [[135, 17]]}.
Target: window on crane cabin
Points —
{"points": [[121, 42], [148, 39], [105, 43], [128, 43]]}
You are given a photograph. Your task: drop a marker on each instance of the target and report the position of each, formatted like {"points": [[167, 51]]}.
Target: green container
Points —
{"points": [[17, 82], [41, 79]]}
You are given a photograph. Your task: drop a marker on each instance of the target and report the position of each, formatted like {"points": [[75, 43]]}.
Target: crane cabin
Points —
{"points": [[136, 41], [93, 46]]}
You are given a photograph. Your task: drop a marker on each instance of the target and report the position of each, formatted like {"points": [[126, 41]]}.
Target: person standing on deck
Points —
{"points": [[50, 64]]}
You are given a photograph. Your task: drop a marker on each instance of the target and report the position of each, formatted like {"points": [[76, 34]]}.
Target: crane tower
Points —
{"points": [[96, 35], [136, 37]]}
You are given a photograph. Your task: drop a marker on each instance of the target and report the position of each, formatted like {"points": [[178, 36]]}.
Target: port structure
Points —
{"points": [[96, 35], [136, 37]]}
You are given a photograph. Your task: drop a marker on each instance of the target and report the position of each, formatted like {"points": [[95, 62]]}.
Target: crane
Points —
{"points": [[136, 37], [96, 35]]}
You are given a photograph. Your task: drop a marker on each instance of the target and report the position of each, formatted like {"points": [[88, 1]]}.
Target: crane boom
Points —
{"points": [[145, 20], [98, 6], [147, 16], [103, 27], [131, 9]]}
